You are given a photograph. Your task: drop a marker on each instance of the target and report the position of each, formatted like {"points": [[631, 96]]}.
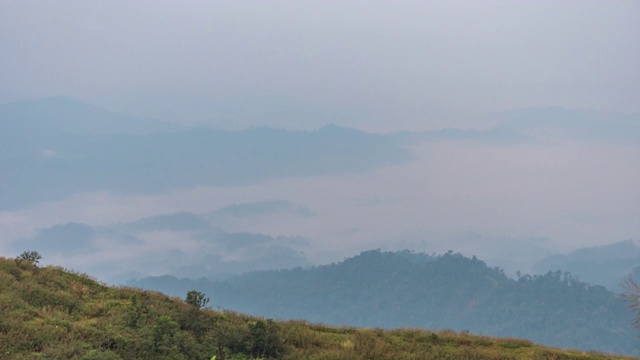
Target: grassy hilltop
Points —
{"points": [[51, 313]]}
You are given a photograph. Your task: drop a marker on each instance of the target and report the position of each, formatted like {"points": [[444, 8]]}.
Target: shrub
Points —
{"points": [[32, 257]]}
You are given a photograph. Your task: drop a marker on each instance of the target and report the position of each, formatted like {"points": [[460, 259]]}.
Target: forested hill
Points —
{"points": [[403, 289], [51, 313]]}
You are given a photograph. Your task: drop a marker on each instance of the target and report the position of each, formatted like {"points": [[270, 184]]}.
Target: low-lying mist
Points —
{"points": [[511, 204]]}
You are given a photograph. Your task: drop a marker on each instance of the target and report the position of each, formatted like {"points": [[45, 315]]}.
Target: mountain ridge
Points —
{"points": [[449, 291]]}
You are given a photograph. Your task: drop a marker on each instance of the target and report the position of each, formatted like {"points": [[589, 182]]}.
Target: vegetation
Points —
{"points": [[30, 256], [450, 291], [632, 294], [196, 299], [50, 313]]}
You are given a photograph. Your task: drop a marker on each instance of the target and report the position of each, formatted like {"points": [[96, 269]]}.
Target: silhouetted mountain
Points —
{"points": [[69, 239], [57, 147], [577, 124], [498, 135], [531, 124], [381, 289], [182, 221], [183, 243], [63, 115], [261, 208], [605, 265]]}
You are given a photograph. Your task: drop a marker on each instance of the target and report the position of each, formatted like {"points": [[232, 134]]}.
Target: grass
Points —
{"points": [[51, 313]]}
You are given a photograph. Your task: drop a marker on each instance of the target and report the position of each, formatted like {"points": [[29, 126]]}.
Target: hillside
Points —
{"points": [[450, 291], [52, 313]]}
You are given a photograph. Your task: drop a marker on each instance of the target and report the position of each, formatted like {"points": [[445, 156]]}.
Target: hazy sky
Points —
{"points": [[374, 65], [377, 65]]}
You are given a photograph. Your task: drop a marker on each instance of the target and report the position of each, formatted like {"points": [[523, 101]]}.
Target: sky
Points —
{"points": [[375, 65], [378, 66]]}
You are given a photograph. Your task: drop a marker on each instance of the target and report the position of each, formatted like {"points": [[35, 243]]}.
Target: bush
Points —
{"points": [[32, 257]]}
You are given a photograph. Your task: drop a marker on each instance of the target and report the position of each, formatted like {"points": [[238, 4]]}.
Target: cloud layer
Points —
{"points": [[376, 66]]}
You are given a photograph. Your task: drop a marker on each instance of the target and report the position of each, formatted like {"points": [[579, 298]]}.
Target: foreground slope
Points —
{"points": [[52, 313], [403, 289]]}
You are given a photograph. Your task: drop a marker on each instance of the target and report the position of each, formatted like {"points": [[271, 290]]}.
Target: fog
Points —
{"points": [[508, 204], [551, 180], [377, 66]]}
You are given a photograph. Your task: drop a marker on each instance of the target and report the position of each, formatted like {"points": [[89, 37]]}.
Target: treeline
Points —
{"points": [[450, 291]]}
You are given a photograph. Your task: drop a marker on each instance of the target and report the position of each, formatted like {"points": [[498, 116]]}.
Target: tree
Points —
{"points": [[29, 256], [196, 299], [632, 294], [265, 341]]}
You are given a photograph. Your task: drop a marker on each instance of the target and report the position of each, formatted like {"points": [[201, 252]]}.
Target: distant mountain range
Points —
{"points": [[405, 289], [183, 243], [200, 246], [577, 124], [543, 124], [606, 265], [54, 147]]}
